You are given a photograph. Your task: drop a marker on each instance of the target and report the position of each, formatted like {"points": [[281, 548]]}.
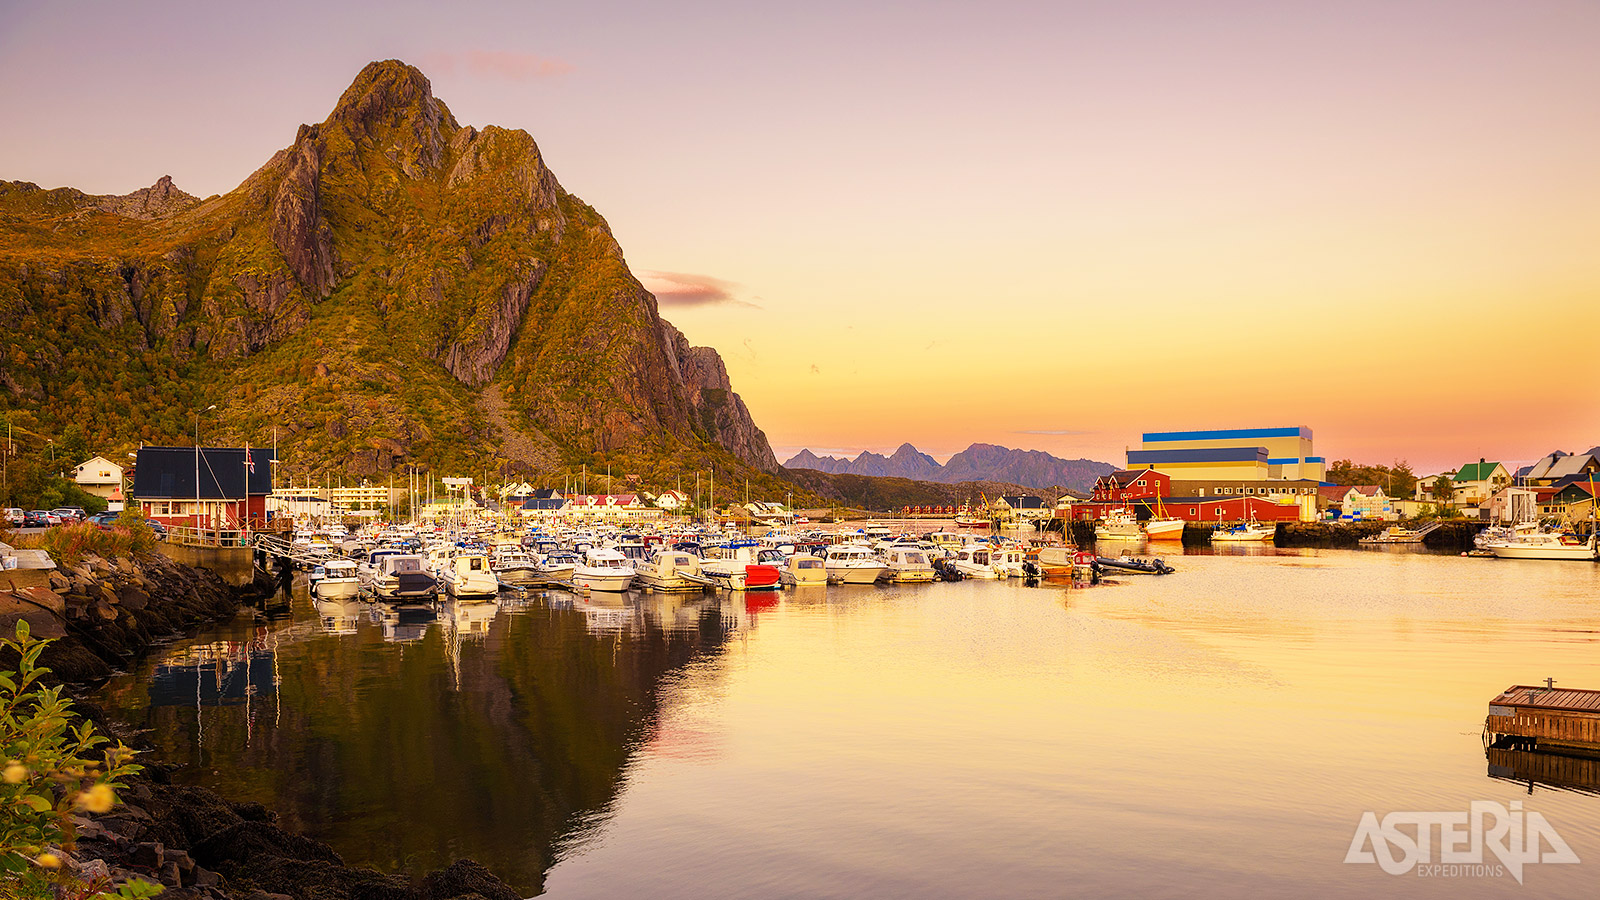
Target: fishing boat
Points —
{"points": [[335, 579], [907, 565], [672, 571], [604, 570], [1546, 545], [468, 575], [802, 570], [1162, 527], [1118, 525], [1243, 531], [853, 564]]}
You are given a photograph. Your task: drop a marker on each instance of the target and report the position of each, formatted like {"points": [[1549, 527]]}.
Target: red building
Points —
{"points": [[1145, 491], [204, 487]]}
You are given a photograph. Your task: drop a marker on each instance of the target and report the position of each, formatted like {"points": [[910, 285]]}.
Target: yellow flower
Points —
{"points": [[98, 799], [48, 860], [16, 773]]}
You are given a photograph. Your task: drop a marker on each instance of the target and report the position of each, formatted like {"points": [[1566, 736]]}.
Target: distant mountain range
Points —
{"points": [[979, 462]]}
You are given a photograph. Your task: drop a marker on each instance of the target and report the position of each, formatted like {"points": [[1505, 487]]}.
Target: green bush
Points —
{"points": [[51, 768]]}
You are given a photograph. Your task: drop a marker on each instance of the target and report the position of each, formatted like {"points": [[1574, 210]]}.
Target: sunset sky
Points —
{"points": [[1052, 225]]}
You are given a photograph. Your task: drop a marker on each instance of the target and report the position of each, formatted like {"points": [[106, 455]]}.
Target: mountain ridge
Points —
{"points": [[979, 462], [360, 292]]}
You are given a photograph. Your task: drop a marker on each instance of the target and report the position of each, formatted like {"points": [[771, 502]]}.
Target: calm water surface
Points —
{"points": [[1215, 733]]}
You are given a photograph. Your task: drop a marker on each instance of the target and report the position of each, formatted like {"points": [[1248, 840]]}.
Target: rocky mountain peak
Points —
{"points": [[391, 108], [157, 201]]}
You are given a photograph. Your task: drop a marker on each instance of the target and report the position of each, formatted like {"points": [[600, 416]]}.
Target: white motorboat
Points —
{"points": [[853, 564], [604, 570], [739, 569], [1243, 531], [558, 565], [515, 568], [908, 565], [335, 579], [802, 570], [1119, 525], [972, 561], [468, 575], [672, 570], [398, 576], [1008, 562], [1546, 545]]}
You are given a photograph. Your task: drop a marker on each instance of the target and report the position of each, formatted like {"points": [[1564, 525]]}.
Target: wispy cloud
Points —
{"points": [[1056, 431], [498, 64], [688, 289]]}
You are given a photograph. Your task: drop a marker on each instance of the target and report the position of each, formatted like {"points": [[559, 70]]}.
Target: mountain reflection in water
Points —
{"points": [[409, 736]]}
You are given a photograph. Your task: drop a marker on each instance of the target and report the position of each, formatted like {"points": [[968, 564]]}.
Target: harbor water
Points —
{"points": [[1220, 732]]}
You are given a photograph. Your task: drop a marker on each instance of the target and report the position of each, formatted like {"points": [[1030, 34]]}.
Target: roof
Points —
{"points": [[1542, 697], [1023, 501], [1333, 491], [1228, 434], [546, 503], [1198, 455], [168, 473], [98, 459], [1478, 471], [1570, 465]]}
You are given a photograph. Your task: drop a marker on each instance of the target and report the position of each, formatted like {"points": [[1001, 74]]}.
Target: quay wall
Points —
{"points": [[1454, 534]]}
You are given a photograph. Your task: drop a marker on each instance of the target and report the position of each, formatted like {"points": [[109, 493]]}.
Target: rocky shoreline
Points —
{"points": [[103, 616]]}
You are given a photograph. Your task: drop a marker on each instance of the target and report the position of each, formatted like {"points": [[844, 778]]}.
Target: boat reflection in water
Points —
{"points": [[542, 704], [405, 622]]}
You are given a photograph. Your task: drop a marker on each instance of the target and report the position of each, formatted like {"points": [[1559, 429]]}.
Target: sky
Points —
{"points": [[1043, 225]]}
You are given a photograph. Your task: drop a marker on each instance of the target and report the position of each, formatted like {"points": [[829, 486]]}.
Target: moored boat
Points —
{"points": [[1546, 545], [671, 570], [1243, 531], [1118, 525], [335, 579], [468, 575], [802, 570], [853, 564], [604, 570], [908, 565]]}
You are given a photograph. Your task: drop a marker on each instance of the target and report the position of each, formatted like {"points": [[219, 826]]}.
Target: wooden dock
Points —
{"points": [[1546, 717]]}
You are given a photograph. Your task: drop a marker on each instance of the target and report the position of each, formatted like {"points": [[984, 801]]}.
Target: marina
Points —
{"points": [[619, 732]]}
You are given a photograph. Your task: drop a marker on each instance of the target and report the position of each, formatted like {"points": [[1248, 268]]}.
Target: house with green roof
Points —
{"points": [[1475, 483]]}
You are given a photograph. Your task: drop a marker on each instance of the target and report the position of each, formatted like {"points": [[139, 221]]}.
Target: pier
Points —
{"points": [[1545, 717]]}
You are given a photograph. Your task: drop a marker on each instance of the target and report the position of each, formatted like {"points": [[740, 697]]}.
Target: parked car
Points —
{"points": [[157, 527], [14, 516], [41, 518], [104, 520], [70, 513]]}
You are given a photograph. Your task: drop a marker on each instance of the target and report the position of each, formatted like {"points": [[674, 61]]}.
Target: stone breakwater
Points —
{"points": [[102, 615]]}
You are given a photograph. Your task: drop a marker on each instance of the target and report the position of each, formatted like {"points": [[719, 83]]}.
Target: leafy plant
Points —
{"points": [[51, 768]]}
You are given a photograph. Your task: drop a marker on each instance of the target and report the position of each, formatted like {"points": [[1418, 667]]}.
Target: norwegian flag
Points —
{"points": [[249, 463]]}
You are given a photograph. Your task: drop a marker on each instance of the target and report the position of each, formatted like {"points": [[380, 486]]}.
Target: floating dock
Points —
{"points": [[1545, 717]]}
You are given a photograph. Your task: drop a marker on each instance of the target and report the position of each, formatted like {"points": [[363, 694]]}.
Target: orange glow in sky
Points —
{"points": [[1047, 225]]}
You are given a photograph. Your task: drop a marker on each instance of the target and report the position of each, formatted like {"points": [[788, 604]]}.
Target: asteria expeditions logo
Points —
{"points": [[1405, 841]]}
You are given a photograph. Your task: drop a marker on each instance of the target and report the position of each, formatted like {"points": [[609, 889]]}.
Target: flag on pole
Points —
{"points": [[249, 463]]}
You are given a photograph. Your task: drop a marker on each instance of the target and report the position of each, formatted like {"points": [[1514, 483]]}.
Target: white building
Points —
{"points": [[102, 478]]}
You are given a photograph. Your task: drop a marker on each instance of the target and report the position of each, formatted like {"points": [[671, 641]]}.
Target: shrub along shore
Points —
{"points": [[102, 615]]}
